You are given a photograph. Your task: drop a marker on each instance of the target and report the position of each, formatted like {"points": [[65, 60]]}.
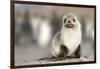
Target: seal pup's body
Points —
{"points": [[70, 37]]}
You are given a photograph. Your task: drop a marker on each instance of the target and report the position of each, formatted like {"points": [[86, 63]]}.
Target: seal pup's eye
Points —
{"points": [[74, 20], [65, 20]]}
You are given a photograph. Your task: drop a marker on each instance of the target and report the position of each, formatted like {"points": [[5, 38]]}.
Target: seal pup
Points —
{"points": [[67, 42]]}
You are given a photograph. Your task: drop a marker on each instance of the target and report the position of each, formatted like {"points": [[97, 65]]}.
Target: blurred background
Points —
{"points": [[36, 25]]}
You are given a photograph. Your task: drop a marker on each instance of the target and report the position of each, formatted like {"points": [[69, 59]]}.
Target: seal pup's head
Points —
{"points": [[70, 20]]}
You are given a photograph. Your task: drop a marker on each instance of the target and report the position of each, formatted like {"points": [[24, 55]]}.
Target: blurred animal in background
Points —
{"points": [[22, 28], [34, 22], [87, 45], [67, 42], [45, 32], [19, 18], [41, 27]]}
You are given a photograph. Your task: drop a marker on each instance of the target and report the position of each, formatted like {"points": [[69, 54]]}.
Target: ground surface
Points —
{"points": [[32, 55]]}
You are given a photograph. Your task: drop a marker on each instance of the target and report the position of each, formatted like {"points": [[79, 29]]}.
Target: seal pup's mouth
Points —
{"points": [[69, 25]]}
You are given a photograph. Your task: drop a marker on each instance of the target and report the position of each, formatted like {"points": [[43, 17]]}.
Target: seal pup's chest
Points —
{"points": [[71, 38]]}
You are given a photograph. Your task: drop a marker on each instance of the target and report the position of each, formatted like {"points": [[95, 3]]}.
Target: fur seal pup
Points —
{"points": [[67, 42]]}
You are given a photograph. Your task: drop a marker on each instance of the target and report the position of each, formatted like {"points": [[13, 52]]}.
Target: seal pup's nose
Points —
{"points": [[69, 21]]}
